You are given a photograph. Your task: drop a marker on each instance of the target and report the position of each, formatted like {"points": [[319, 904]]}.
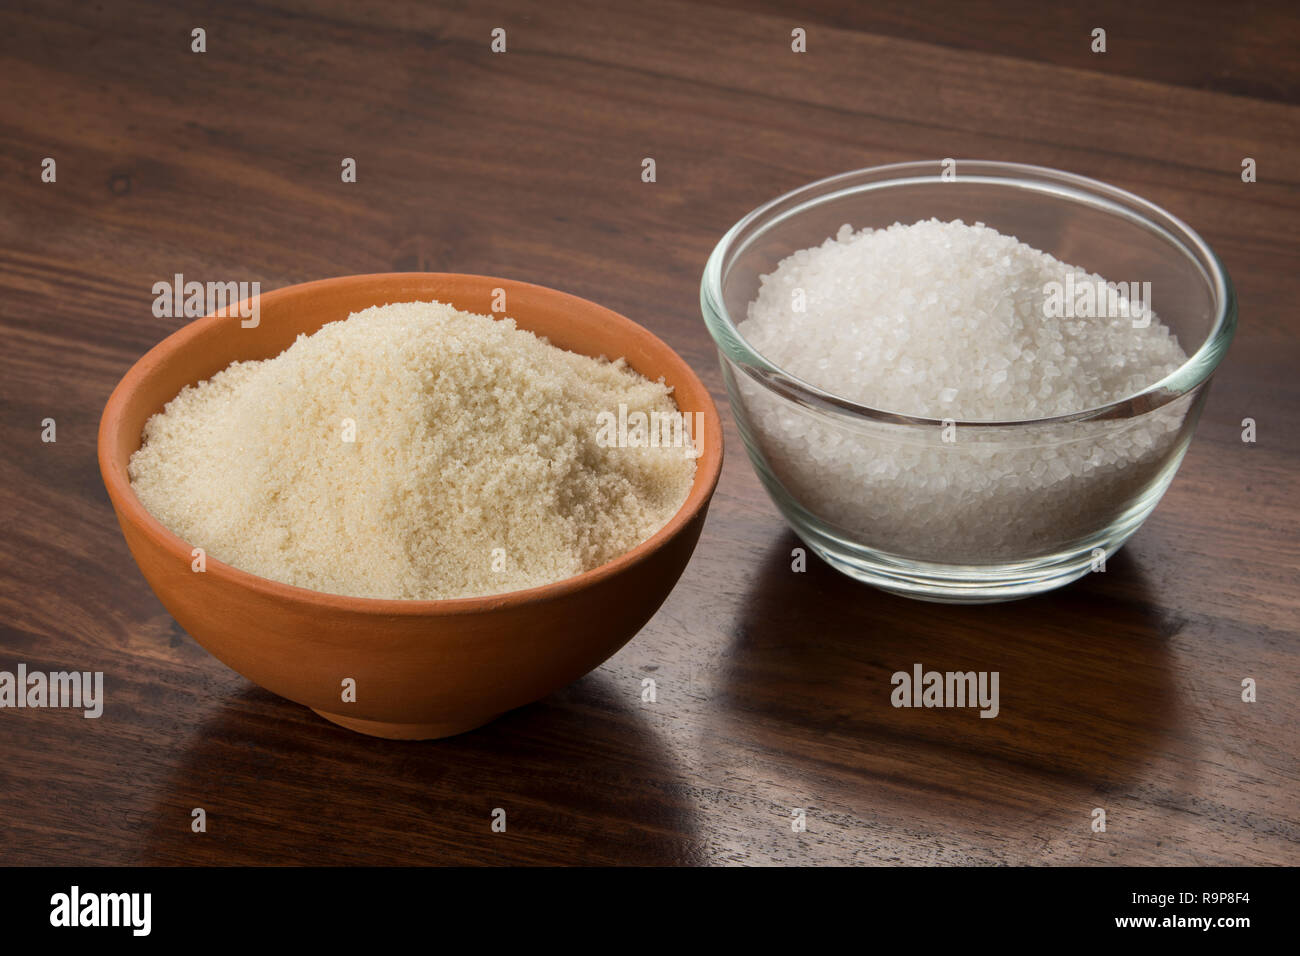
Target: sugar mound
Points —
{"points": [[947, 321], [474, 466]]}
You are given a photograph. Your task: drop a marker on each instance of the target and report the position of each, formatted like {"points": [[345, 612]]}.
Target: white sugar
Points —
{"points": [[942, 319], [949, 321]]}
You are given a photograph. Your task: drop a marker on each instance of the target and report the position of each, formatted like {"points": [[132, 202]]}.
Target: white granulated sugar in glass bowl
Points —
{"points": [[956, 323]]}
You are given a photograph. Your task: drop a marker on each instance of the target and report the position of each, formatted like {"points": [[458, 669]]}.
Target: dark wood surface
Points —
{"points": [[1121, 691]]}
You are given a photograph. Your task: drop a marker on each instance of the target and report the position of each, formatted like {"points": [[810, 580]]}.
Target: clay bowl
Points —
{"points": [[422, 668]]}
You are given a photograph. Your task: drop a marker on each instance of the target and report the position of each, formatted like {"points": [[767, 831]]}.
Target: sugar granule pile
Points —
{"points": [[947, 321], [473, 465]]}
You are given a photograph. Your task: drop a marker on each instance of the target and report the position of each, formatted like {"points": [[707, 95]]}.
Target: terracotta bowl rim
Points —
{"points": [[130, 509]]}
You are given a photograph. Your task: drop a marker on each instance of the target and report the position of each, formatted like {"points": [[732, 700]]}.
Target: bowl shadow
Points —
{"points": [[1085, 688], [582, 776]]}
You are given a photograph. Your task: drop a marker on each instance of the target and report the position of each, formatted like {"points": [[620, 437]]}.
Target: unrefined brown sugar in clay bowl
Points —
{"points": [[422, 669]]}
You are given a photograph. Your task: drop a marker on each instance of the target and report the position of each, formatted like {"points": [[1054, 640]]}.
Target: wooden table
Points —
{"points": [[1122, 691]]}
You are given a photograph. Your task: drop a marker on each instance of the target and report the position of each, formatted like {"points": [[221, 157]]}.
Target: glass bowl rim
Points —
{"points": [[1186, 378]]}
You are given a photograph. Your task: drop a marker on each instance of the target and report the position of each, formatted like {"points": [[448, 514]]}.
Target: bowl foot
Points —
{"points": [[960, 584], [390, 731]]}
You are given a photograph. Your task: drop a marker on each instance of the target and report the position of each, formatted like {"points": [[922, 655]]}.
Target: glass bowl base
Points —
{"points": [[962, 583]]}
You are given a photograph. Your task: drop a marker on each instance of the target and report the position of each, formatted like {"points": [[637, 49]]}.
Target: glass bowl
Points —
{"points": [[970, 511]]}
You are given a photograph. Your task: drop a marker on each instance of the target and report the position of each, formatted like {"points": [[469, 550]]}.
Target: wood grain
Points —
{"points": [[1122, 691]]}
